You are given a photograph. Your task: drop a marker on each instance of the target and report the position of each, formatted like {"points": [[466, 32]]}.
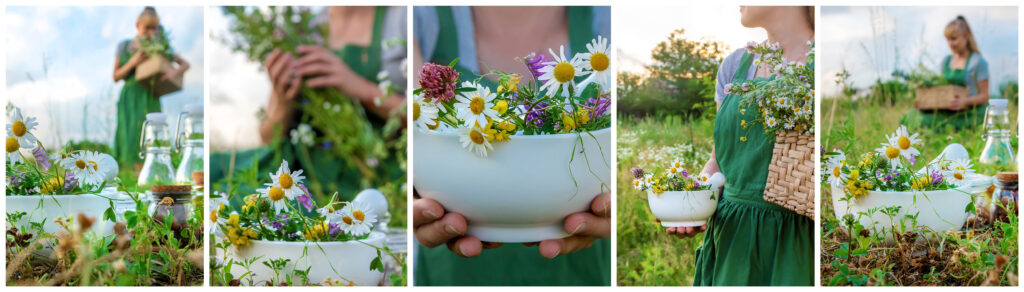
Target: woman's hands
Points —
{"points": [[322, 68], [434, 227], [282, 70]]}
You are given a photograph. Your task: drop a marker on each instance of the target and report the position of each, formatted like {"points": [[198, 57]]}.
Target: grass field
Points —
{"points": [[646, 254], [982, 254]]}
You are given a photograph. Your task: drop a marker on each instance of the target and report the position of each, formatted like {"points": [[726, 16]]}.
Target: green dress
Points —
{"points": [[962, 119], [318, 164], [512, 264], [134, 102], [750, 242]]}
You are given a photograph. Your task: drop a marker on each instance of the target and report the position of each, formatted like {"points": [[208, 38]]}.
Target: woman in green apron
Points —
{"points": [[135, 101], [354, 56], [964, 67], [479, 38], [748, 241]]}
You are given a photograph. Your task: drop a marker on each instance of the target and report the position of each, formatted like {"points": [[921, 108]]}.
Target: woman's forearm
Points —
{"points": [[711, 167], [278, 120], [120, 72], [182, 64], [368, 93]]}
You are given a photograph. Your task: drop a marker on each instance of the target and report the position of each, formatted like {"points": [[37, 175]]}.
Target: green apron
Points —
{"points": [[134, 102], [513, 264], [321, 168], [967, 118], [750, 242]]}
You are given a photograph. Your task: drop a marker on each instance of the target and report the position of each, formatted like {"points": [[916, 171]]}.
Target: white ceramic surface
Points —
{"points": [[338, 260], [49, 207], [522, 191], [683, 208], [937, 210]]}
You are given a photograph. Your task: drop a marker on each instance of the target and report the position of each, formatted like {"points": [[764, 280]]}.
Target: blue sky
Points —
{"points": [[75, 97], [873, 41]]}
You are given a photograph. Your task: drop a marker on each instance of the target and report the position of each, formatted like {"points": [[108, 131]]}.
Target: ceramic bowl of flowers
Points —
{"points": [[517, 160], [50, 185], [282, 233], [677, 198], [880, 191]]}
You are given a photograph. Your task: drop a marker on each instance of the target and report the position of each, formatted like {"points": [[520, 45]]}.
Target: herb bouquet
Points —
{"points": [[281, 236], [518, 158], [785, 102], [54, 184], [677, 198], [880, 192], [160, 61]]}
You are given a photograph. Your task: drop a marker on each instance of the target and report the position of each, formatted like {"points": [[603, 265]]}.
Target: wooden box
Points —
{"points": [[938, 97], [150, 72]]}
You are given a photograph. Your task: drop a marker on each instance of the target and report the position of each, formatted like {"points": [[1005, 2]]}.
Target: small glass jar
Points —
{"points": [[171, 200], [1004, 198]]}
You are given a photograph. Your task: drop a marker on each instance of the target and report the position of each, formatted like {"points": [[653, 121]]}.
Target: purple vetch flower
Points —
{"points": [[535, 62], [333, 230], [70, 181], [326, 145], [685, 174], [598, 106], [638, 173], [936, 177], [305, 199], [728, 88], [696, 185], [913, 159], [41, 157]]}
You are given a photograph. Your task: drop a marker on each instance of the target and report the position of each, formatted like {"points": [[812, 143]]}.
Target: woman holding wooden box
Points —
{"points": [[964, 67], [136, 99]]}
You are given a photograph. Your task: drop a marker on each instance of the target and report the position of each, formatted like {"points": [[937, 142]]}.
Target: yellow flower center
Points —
{"points": [[359, 215], [19, 128], [213, 216], [599, 61], [674, 170], [564, 72], [835, 171], [285, 180], [95, 166], [80, 164], [891, 152], [275, 194], [476, 136], [476, 105], [435, 125], [958, 175], [415, 111], [347, 220], [904, 143], [12, 144]]}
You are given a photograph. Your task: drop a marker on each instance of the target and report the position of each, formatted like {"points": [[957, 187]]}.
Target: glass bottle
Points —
{"points": [[1004, 198], [998, 152], [189, 141], [156, 151]]}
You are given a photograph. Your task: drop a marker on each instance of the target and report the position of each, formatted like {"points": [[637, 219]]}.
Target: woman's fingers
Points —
{"points": [[314, 69], [602, 205], [555, 247], [425, 211], [467, 246], [588, 224], [314, 55], [319, 82], [450, 226]]}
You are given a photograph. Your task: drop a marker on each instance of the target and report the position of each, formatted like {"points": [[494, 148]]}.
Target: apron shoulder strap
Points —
{"points": [[744, 67]]}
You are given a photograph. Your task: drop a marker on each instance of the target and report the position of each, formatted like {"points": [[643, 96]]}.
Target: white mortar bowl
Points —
{"points": [[48, 207], [683, 208], [338, 260], [522, 191], [938, 211]]}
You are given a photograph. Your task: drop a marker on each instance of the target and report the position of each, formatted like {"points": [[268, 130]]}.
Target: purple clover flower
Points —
{"points": [[535, 62], [638, 173], [438, 82]]}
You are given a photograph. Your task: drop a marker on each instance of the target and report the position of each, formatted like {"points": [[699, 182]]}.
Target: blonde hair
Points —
{"points": [[959, 26], [148, 14]]}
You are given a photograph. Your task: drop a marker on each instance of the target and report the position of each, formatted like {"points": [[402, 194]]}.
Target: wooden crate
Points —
{"points": [[938, 97], [149, 73]]}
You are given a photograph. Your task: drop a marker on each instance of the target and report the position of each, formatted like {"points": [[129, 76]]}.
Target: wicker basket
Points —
{"points": [[937, 97], [791, 173]]}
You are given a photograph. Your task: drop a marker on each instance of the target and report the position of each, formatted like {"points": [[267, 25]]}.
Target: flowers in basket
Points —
{"points": [[284, 210], [552, 103], [57, 173], [785, 100], [674, 178], [156, 45], [889, 168]]}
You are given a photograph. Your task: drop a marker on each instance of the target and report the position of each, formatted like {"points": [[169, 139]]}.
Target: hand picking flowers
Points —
{"points": [[674, 178], [58, 173], [284, 210], [889, 169], [785, 100], [553, 103]]}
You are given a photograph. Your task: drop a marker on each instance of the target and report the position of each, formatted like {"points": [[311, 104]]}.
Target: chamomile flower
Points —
{"points": [[287, 181], [788, 125], [474, 139], [357, 218], [20, 128], [958, 171], [14, 151], [771, 122], [638, 184], [560, 73], [276, 195], [834, 168], [85, 168], [890, 150], [476, 106], [424, 112], [597, 61], [703, 179], [905, 142], [673, 171]]}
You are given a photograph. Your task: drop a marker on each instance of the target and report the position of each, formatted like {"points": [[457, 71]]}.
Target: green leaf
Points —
{"points": [[452, 64]]}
